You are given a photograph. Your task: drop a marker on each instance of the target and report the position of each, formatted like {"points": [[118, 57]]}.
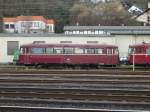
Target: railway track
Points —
{"points": [[111, 105], [81, 91], [47, 109], [102, 70]]}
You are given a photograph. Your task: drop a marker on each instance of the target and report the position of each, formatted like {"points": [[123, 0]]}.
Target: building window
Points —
{"points": [[148, 18], [6, 26], [38, 24], [12, 26], [12, 46], [50, 28]]}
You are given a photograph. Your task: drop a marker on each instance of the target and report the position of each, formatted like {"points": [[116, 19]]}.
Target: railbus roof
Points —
{"points": [[70, 45], [140, 45]]}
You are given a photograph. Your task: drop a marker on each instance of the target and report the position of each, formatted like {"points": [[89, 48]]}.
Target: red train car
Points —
{"points": [[139, 54], [70, 54]]}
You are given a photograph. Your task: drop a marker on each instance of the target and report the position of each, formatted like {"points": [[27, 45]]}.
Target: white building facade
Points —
{"points": [[28, 24], [144, 17]]}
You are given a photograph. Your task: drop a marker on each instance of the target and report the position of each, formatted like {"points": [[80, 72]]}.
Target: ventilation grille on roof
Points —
{"points": [[39, 42]]}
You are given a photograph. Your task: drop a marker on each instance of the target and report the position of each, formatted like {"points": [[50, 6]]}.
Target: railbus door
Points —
{"points": [[26, 56]]}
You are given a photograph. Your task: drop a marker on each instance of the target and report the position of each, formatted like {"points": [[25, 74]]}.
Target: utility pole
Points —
{"points": [[133, 62]]}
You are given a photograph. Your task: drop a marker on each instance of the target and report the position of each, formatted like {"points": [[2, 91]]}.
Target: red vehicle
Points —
{"points": [[139, 54], [70, 54]]}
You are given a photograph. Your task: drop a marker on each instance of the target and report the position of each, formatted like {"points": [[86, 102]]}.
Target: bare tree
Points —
{"points": [[101, 14]]}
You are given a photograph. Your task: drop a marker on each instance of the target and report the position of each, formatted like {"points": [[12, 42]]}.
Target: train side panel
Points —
{"points": [[70, 59], [139, 59]]}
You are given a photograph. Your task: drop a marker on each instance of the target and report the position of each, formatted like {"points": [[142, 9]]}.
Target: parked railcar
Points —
{"points": [[139, 54], [70, 54]]}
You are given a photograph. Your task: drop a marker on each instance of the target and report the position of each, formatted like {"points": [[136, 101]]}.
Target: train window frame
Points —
{"points": [[109, 51], [99, 51], [115, 51], [59, 49], [37, 49], [89, 50], [79, 50], [68, 50], [139, 50], [131, 50], [47, 52], [148, 51], [22, 50]]}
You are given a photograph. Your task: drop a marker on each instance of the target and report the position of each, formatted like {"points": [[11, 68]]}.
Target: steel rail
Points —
{"points": [[75, 75], [49, 109], [141, 106], [120, 77], [120, 91], [68, 71], [76, 85], [93, 81], [77, 96]]}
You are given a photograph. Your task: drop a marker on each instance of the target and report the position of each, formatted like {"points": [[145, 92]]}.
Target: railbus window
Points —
{"points": [[49, 50], [24, 50], [79, 51], [116, 51], [89, 51], [109, 51], [68, 50], [138, 50], [38, 50], [58, 50], [99, 51], [148, 50], [131, 50]]}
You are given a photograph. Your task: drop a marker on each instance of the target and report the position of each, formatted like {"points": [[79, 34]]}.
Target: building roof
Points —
{"points": [[140, 45], [113, 29], [9, 19], [50, 21], [28, 18], [143, 12]]}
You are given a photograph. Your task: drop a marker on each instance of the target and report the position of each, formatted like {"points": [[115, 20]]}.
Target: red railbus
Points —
{"points": [[139, 53], [70, 54]]}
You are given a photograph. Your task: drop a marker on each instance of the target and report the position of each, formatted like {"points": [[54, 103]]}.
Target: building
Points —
{"points": [[144, 17], [135, 10], [97, 1], [28, 24], [106, 30]]}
